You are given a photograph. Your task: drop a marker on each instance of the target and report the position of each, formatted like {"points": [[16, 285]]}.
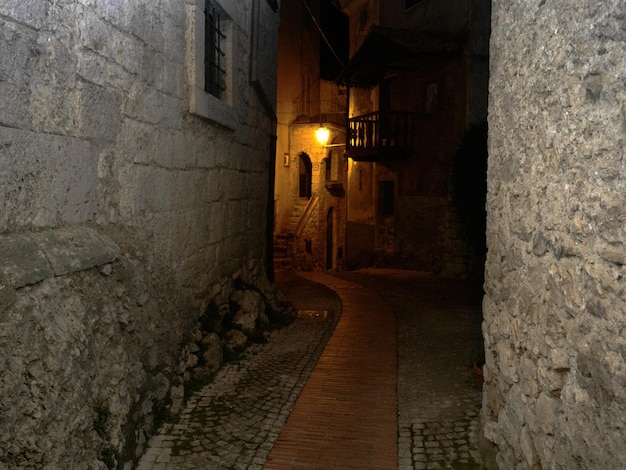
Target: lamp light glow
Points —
{"points": [[322, 134]]}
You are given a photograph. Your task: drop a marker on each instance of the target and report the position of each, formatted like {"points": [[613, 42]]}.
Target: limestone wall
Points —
{"points": [[123, 215], [555, 394], [312, 229]]}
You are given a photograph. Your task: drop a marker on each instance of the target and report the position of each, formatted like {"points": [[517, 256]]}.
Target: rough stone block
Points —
{"points": [[236, 340], [76, 249], [23, 260], [7, 294], [101, 112], [212, 352], [251, 305], [556, 236], [30, 12], [30, 258]]}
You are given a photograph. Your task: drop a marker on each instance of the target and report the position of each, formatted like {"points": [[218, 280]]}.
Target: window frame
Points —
{"points": [[201, 102], [328, 167], [214, 55]]}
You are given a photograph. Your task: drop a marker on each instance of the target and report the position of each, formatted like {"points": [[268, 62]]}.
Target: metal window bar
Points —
{"points": [[214, 71]]}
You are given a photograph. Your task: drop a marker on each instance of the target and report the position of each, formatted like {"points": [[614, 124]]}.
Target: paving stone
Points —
{"points": [[235, 421]]}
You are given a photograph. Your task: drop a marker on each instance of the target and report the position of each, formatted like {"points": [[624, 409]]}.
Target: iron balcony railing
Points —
{"points": [[380, 133]]}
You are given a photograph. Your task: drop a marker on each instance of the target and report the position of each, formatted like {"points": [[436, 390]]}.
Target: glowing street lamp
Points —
{"points": [[322, 134]]}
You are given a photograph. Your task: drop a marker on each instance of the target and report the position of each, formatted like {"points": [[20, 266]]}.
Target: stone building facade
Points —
{"points": [[310, 179], [555, 309], [417, 80], [133, 204], [320, 233]]}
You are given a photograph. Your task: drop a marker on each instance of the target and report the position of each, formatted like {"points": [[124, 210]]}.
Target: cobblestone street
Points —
{"points": [[234, 422], [438, 323]]}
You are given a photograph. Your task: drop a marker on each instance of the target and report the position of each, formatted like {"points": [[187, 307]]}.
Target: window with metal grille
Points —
{"points": [[210, 46], [214, 71], [329, 167]]}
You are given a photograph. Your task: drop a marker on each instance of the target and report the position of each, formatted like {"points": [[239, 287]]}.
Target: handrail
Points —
{"points": [[306, 214]]}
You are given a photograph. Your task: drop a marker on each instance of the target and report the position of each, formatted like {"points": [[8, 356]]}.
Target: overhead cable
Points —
{"points": [[319, 28]]}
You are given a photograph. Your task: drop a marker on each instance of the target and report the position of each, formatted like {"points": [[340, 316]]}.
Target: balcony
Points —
{"points": [[335, 188], [380, 136]]}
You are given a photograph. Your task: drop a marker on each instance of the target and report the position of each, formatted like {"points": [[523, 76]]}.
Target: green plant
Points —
{"points": [[101, 425], [479, 360], [211, 320], [101, 422], [232, 355], [471, 464], [281, 317], [258, 336], [196, 382], [161, 413], [109, 457]]}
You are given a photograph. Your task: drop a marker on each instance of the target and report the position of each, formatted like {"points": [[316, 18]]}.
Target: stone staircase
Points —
{"points": [[285, 240]]}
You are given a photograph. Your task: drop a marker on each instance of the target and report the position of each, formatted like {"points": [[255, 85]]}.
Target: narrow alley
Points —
{"points": [[405, 397], [161, 160]]}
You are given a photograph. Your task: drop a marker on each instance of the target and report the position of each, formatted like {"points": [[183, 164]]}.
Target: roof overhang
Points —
{"points": [[384, 50]]}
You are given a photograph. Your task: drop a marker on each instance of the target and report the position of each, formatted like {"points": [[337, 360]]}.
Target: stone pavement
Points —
{"points": [[345, 417], [236, 421], [438, 323]]}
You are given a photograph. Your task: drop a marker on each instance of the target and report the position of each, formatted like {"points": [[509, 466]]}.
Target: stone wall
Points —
{"points": [[555, 391], [125, 218], [313, 226]]}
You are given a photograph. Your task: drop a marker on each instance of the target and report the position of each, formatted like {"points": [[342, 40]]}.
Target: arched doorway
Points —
{"points": [[305, 172], [330, 235]]}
